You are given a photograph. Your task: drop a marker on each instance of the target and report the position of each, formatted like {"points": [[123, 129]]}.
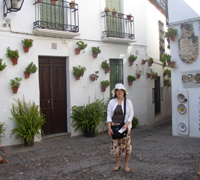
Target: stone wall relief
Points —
{"points": [[188, 44]]}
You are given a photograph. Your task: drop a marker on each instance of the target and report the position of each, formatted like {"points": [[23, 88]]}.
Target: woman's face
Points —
{"points": [[119, 93]]}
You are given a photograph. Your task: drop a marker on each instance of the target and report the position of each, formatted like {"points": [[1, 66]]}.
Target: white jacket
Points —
{"points": [[129, 111]]}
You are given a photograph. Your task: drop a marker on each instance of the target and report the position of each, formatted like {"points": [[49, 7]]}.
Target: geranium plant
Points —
{"points": [[27, 42]]}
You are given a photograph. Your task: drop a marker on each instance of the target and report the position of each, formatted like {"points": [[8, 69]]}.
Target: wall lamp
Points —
{"points": [[12, 6]]}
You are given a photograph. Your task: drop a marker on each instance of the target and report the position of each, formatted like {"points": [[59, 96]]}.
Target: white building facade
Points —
{"points": [[184, 16], [55, 30]]}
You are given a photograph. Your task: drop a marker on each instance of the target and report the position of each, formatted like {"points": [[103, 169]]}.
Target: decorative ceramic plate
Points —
{"points": [[190, 77], [181, 108], [182, 127], [184, 79], [197, 78], [181, 97]]}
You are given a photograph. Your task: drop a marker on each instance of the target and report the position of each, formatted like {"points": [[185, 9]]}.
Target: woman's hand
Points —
{"points": [[110, 132]]}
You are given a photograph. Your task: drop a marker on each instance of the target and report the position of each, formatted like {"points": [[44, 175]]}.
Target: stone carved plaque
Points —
{"points": [[188, 44]]}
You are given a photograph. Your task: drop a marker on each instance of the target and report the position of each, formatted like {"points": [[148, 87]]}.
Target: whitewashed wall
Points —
{"points": [[185, 11], [82, 91]]}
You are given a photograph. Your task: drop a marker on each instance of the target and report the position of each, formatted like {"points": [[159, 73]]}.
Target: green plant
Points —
{"points": [[132, 57], [27, 42], [105, 83], [135, 122], [105, 65], [28, 119], [78, 70], [15, 82], [96, 50], [170, 32], [106, 9], [151, 60], [2, 65], [2, 129], [167, 72], [81, 45], [31, 68], [89, 117], [95, 75], [131, 78], [12, 53], [167, 82]]}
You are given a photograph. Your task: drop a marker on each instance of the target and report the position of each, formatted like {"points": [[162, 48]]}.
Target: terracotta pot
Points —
{"points": [[15, 61], [131, 63], [107, 70], [92, 77], [77, 51], [15, 89], [143, 61], [95, 55], [114, 14], [138, 76], [27, 75], [154, 77], [172, 64], [148, 75], [173, 37], [106, 12], [77, 77], [72, 5], [103, 89], [53, 2], [149, 63], [130, 83], [26, 49], [129, 17], [120, 15], [40, 0]]}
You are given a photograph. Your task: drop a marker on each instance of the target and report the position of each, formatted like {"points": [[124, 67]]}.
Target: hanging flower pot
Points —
{"points": [[131, 63], [95, 55], [172, 64], [138, 76], [131, 79], [94, 77], [53, 2], [26, 49], [77, 51], [15, 61], [103, 88], [72, 4], [27, 75], [104, 85], [77, 77], [130, 83], [107, 70], [129, 17], [148, 75], [95, 51], [15, 89], [143, 61]]}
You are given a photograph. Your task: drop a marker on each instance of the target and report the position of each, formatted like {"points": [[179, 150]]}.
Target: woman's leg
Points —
{"points": [[127, 158], [117, 167]]}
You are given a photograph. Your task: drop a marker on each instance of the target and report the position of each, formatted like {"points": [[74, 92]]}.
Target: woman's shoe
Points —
{"points": [[127, 169], [3, 161], [116, 168]]}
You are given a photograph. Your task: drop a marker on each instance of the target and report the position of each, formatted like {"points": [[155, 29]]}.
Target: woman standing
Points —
{"points": [[115, 116]]}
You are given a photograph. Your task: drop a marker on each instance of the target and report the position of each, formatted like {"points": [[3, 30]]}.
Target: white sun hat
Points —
{"points": [[118, 86]]}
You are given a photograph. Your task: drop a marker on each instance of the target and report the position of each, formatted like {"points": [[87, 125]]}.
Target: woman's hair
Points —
{"points": [[116, 95]]}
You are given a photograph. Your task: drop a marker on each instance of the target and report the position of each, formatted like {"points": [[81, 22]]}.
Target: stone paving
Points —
{"points": [[157, 155]]}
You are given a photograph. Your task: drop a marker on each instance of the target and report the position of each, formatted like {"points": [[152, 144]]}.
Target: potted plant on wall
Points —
{"points": [[31, 68], [167, 82], [81, 46], [149, 72], [106, 66], [2, 65], [154, 75], [171, 33], [107, 10], [15, 84], [27, 44], [53, 2], [138, 73], [78, 71], [114, 12], [94, 77], [150, 61], [167, 72], [131, 79], [172, 64], [29, 121], [104, 85], [72, 4], [129, 16], [143, 61], [131, 59], [96, 51], [13, 55]]}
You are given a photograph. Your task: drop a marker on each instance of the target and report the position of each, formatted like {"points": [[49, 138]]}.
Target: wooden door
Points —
{"points": [[52, 79]]}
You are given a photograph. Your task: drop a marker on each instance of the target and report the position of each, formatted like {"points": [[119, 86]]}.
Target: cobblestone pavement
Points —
{"points": [[157, 155]]}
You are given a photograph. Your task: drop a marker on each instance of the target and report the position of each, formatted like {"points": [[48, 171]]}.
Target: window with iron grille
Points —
{"points": [[58, 16], [161, 38], [116, 72]]}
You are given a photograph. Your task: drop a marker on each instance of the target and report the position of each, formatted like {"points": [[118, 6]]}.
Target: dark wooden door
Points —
{"points": [[52, 79]]}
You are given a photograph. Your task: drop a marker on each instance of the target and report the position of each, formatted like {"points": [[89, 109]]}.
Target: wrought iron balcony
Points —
{"points": [[118, 27], [61, 16]]}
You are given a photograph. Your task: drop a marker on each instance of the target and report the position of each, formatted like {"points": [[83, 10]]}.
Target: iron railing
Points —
{"points": [[59, 16], [118, 26]]}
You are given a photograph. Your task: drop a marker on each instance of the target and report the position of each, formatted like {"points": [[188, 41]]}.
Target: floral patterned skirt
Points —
{"points": [[121, 147]]}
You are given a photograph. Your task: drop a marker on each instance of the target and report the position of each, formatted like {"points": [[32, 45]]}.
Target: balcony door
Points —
{"points": [[114, 24]]}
